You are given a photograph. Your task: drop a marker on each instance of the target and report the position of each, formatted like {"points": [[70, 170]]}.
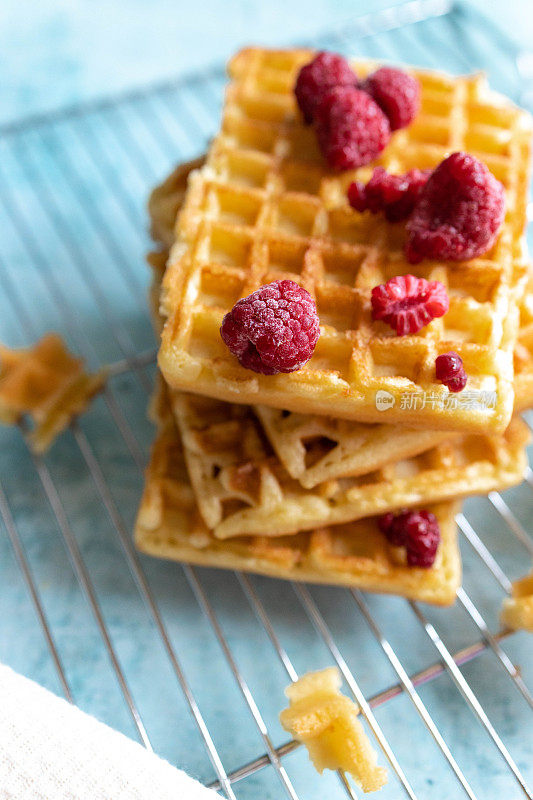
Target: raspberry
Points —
{"points": [[449, 370], [458, 214], [396, 93], [324, 72], [274, 329], [395, 195], [417, 531], [351, 129], [393, 532], [407, 303]]}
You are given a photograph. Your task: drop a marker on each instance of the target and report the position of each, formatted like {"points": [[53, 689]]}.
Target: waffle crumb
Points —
{"points": [[517, 610], [48, 384], [328, 724]]}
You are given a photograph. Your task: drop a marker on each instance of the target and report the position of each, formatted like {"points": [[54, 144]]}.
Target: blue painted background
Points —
{"points": [[67, 50]]}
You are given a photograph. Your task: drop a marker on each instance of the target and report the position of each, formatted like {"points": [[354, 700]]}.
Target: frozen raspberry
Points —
{"points": [[449, 370], [394, 532], [275, 329], [351, 129], [395, 195], [458, 213], [396, 93], [323, 73], [407, 303], [417, 531]]}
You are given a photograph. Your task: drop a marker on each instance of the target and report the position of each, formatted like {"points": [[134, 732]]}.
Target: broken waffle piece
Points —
{"points": [[327, 723], [48, 384], [517, 610]]}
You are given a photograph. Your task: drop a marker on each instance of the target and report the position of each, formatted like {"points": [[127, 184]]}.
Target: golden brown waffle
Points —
{"points": [[327, 723], [169, 525], [163, 230], [314, 448], [47, 383], [265, 207], [242, 488], [517, 610]]}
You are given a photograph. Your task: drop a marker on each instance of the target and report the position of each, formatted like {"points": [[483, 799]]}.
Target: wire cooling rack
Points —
{"points": [[190, 661]]}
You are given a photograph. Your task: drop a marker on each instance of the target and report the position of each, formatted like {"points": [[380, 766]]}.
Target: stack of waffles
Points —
{"points": [[287, 475]]}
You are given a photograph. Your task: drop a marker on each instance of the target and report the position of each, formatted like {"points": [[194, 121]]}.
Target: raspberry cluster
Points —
{"points": [[274, 329], [417, 531], [454, 212], [354, 120]]}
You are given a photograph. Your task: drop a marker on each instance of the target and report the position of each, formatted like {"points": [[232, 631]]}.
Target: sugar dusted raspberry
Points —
{"points": [[323, 73], [458, 213], [396, 93], [407, 303], [417, 531], [274, 329], [422, 538], [351, 128], [394, 195], [449, 370]]}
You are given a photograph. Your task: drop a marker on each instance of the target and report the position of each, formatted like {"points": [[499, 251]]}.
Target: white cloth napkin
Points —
{"points": [[50, 750]]}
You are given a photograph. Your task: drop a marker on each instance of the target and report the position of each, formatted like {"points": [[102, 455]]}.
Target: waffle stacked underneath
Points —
{"points": [[278, 487]]}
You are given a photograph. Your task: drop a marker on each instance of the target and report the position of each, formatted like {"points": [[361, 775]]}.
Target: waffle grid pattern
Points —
{"points": [[265, 208], [48, 384]]}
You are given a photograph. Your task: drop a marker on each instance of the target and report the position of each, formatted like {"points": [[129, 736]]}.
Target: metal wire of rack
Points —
{"points": [[72, 189]]}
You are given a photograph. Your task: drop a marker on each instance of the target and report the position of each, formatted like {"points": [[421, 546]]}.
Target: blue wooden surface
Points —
{"points": [[67, 52]]}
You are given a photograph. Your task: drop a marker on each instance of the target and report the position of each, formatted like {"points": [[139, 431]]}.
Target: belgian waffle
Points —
{"points": [[47, 383], [314, 448], [169, 525], [327, 723], [265, 207], [241, 486]]}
